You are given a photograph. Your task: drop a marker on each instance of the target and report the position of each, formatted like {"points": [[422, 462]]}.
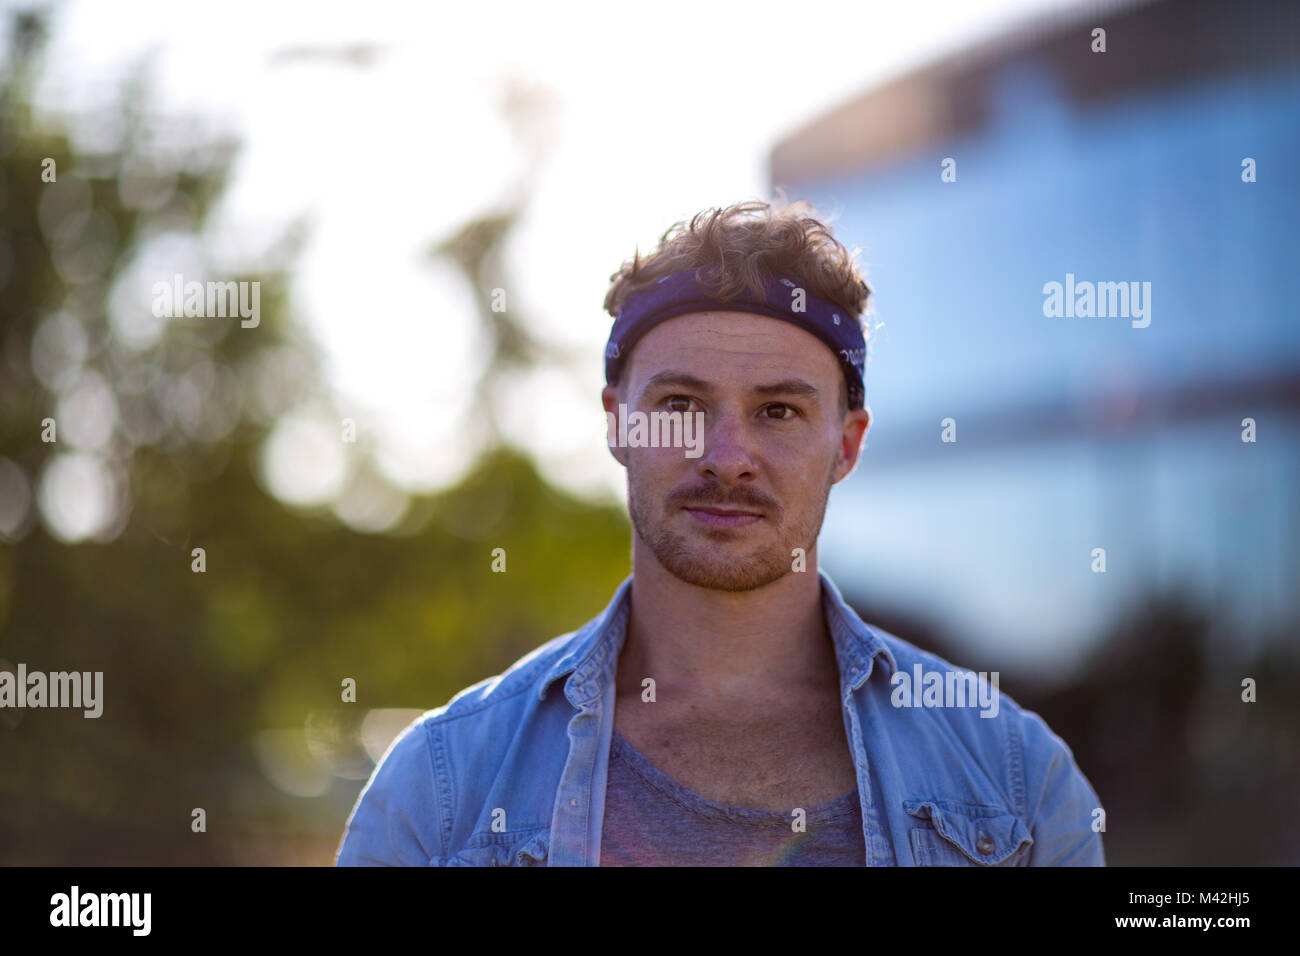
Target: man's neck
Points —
{"points": [[725, 647]]}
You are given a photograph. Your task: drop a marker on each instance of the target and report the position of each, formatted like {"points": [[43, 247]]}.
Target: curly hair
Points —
{"points": [[744, 243]]}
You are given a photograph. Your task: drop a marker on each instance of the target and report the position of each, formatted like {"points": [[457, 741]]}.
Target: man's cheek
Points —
{"points": [[659, 463], [647, 475]]}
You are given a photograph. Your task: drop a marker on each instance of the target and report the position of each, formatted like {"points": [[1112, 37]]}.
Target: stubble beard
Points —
{"points": [[716, 562]]}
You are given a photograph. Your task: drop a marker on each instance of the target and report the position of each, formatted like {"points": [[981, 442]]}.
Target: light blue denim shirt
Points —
{"points": [[511, 772]]}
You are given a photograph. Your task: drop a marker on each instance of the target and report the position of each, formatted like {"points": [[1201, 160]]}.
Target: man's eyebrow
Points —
{"points": [[681, 379], [788, 386]]}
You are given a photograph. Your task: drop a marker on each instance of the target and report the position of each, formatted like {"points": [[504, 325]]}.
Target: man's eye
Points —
{"points": [[779, 412], [678, 403]]}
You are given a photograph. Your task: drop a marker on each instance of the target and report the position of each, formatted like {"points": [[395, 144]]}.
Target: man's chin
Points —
{"points": [[740, 559], [717, 573]]}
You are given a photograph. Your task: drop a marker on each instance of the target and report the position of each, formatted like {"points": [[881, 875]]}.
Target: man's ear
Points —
{"points": [[856, 423], [609, 398]]}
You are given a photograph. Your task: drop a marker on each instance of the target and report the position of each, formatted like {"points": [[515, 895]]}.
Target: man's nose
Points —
{"points": [[728, 449]]}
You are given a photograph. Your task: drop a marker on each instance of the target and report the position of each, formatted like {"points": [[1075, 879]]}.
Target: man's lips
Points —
{"points": [[723, 517]]}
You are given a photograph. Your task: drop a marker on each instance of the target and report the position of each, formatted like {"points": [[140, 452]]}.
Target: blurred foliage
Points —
{"points": [[199, 667]]}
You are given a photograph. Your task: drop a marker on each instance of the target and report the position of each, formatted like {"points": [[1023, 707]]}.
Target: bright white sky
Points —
{"points": [[663, 109]]}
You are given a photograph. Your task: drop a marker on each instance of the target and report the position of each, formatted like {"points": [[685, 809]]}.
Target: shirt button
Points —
{"points": [[573, 801], [985, 844]]}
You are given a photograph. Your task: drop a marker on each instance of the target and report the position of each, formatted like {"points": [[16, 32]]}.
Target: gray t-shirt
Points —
{"points": [[651, 820]]}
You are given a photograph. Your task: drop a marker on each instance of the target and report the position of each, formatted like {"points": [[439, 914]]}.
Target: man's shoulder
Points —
{"points": [[993, 716], [519, 683], [427, 787], [1027, 763], [1027, 771]]}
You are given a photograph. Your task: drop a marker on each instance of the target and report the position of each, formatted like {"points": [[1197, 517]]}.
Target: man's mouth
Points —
{"points": [[723, 517]]}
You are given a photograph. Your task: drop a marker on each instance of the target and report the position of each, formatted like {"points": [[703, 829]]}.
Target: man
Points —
{"points": [[728, 707]]}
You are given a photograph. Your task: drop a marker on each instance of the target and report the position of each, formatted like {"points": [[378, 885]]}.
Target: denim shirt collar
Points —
{"points": [[589, 660]]}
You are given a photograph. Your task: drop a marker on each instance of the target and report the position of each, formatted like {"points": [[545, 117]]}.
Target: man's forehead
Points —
{"points": [[710, 344]]}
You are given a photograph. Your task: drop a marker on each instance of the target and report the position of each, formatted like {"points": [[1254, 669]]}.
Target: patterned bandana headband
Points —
{"points": [[680, 293]]}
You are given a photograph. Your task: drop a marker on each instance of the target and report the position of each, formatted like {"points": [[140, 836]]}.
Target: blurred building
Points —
{"points": [[1075, 433]]}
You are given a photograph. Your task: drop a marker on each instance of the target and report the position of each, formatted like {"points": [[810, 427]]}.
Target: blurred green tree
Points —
{"points": [[221, 688]]}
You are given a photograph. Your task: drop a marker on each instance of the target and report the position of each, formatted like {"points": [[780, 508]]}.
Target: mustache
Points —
{"points": [[712, 495]]}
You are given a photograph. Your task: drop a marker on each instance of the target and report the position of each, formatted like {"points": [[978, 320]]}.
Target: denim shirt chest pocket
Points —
{"points": [[511, 848], [961, 834]]}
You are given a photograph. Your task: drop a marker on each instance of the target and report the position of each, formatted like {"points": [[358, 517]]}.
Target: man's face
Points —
{"points": [[775, 441]]}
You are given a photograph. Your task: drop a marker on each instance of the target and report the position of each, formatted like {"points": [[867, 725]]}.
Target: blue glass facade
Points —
{"points": [[1075, 433]]}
